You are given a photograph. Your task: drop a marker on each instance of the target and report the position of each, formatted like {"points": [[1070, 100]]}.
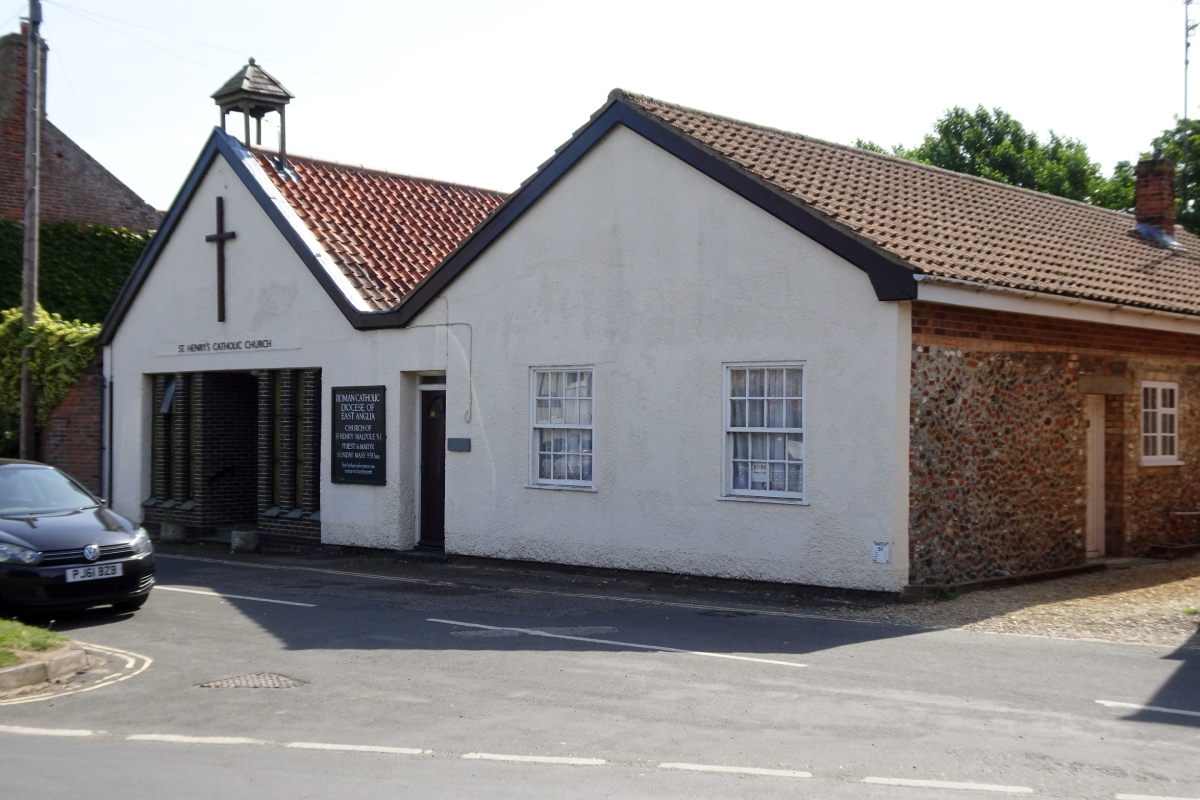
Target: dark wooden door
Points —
{"points": [[433, 469]]}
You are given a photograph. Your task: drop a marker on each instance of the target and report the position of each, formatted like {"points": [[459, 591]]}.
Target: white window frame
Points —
{"points": [[1159, 423], [727, 490], [535, 481]]}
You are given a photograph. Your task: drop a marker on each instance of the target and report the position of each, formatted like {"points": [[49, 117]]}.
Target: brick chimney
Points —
{"points": [[1154, 202]]}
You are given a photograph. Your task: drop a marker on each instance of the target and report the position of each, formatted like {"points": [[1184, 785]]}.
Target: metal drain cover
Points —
{"points": [[258, 680]]}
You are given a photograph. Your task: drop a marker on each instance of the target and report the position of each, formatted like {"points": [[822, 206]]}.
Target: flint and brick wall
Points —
{"points": [[74, 186], [71, 439], [998, 441]]}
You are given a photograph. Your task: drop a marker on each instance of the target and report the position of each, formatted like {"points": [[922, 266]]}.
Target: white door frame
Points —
{"points": [[1094, 414]]}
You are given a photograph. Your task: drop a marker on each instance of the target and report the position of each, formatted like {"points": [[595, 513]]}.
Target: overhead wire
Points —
{"points": [[86, 121], [83, 12], [15, 14]]}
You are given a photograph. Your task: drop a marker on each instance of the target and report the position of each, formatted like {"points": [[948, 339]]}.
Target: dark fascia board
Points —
{"points": [[890, 277], [221, 143]]}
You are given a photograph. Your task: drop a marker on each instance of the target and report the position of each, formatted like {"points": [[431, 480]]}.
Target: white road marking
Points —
{"points": [[131, 664], [648, 601], [232, 596], [584, 762], [358, 748], [977, 787], [177, 739], [1140, 707], [1151, 797], [660, 648], [777, 773], [42, 731]]}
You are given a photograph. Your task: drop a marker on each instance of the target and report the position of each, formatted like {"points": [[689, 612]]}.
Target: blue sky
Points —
{"points": [[482, 92]]}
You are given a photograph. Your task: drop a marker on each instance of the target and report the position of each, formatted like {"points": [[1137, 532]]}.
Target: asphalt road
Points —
{"points": [[459, 676]]}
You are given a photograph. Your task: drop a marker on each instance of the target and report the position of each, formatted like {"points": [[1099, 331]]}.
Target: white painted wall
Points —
{"points": [[644, 268], [270, 293]]}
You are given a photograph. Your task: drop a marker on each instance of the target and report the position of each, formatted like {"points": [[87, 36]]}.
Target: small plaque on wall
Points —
{"points": [[358, 449]]}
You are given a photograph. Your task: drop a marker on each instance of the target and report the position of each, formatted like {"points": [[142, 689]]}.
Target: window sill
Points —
{"points": [[555, 488], [1161, 463], [783, 501]]}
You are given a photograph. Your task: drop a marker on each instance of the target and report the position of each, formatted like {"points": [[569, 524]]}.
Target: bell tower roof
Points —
{"points": [[254, 88]]}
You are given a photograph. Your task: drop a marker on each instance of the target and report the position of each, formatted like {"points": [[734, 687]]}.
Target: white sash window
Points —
{"points": [[562, 410], [1160, 415], [764, 430]]}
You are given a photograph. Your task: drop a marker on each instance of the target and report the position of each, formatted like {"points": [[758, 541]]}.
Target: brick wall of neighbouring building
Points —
{"points": [[71, 439], [74, 186], [998, 441]]}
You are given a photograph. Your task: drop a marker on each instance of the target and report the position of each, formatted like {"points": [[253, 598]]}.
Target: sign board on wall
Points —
{"points": [[358, 448]]}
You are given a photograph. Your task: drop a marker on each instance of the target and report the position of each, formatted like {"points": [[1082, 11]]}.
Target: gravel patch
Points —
{"points": [[1142, 604]]}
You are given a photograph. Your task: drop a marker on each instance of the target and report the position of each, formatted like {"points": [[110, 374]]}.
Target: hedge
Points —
{"points": [[81, 268]]}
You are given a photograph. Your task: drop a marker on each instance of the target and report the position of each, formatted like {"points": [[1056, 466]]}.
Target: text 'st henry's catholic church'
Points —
{"points": [[685, 344]]}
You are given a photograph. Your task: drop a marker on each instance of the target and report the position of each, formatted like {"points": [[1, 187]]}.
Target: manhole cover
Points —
{"points": [[259, 680]]}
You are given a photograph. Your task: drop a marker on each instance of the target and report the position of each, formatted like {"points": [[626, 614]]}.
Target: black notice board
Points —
{"points": [[359, 443]]}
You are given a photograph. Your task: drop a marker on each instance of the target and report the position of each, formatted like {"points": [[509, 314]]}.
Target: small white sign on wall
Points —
{"points": [[883, 552]]}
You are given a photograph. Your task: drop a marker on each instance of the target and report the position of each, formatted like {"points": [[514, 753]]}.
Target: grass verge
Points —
{"points": [[16, 636]]}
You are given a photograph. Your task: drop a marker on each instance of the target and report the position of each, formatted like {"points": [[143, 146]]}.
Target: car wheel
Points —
{"points": [[131, 605]]}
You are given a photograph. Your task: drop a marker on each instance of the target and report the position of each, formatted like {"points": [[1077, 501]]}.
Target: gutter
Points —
{"points": [[1028, 294]]}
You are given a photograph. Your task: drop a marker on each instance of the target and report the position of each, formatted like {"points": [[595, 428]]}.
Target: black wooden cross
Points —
{"points": [[220, 237]]}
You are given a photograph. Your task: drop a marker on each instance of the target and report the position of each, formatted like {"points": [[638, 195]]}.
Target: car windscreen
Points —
{"points": [[39, 490]]}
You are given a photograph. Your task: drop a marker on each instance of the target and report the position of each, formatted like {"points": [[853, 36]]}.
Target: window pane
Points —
{"points": [[544, 467], [758, 445], [545, 441], [756, 383], [556, 384], [1149, 422], [737, 413], [778, 475], [778, 443], [585, 441], [1150, 445], [758, 476], [585, 412], [795, 383], [573, 468], [774, 413], [1168, 398], [556, 411], [1149, 397], [741, 445], [587, 468], [795, 477], [755, 415], [543, 384], [560, 468], [572, 384], [543, 412], [737, 383], [571, 412], [741, 475], [1168, 424], [585, 384], [795, 447], [1168, 445], [774, 383], [795, 413]]}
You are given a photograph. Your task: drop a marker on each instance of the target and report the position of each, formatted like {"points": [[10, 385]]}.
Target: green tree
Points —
{"points": [[993, 145]]}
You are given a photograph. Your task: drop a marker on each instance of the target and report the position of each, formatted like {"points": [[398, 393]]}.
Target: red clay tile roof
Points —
{"points": [[953, 225], [385, 232]]}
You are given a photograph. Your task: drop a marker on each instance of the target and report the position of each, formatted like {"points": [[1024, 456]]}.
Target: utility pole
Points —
{"points": [[1188, 28], [33, 146]]}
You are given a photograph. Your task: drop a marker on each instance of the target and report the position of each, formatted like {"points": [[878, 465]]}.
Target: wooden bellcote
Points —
{"points": [[254, 92]]}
